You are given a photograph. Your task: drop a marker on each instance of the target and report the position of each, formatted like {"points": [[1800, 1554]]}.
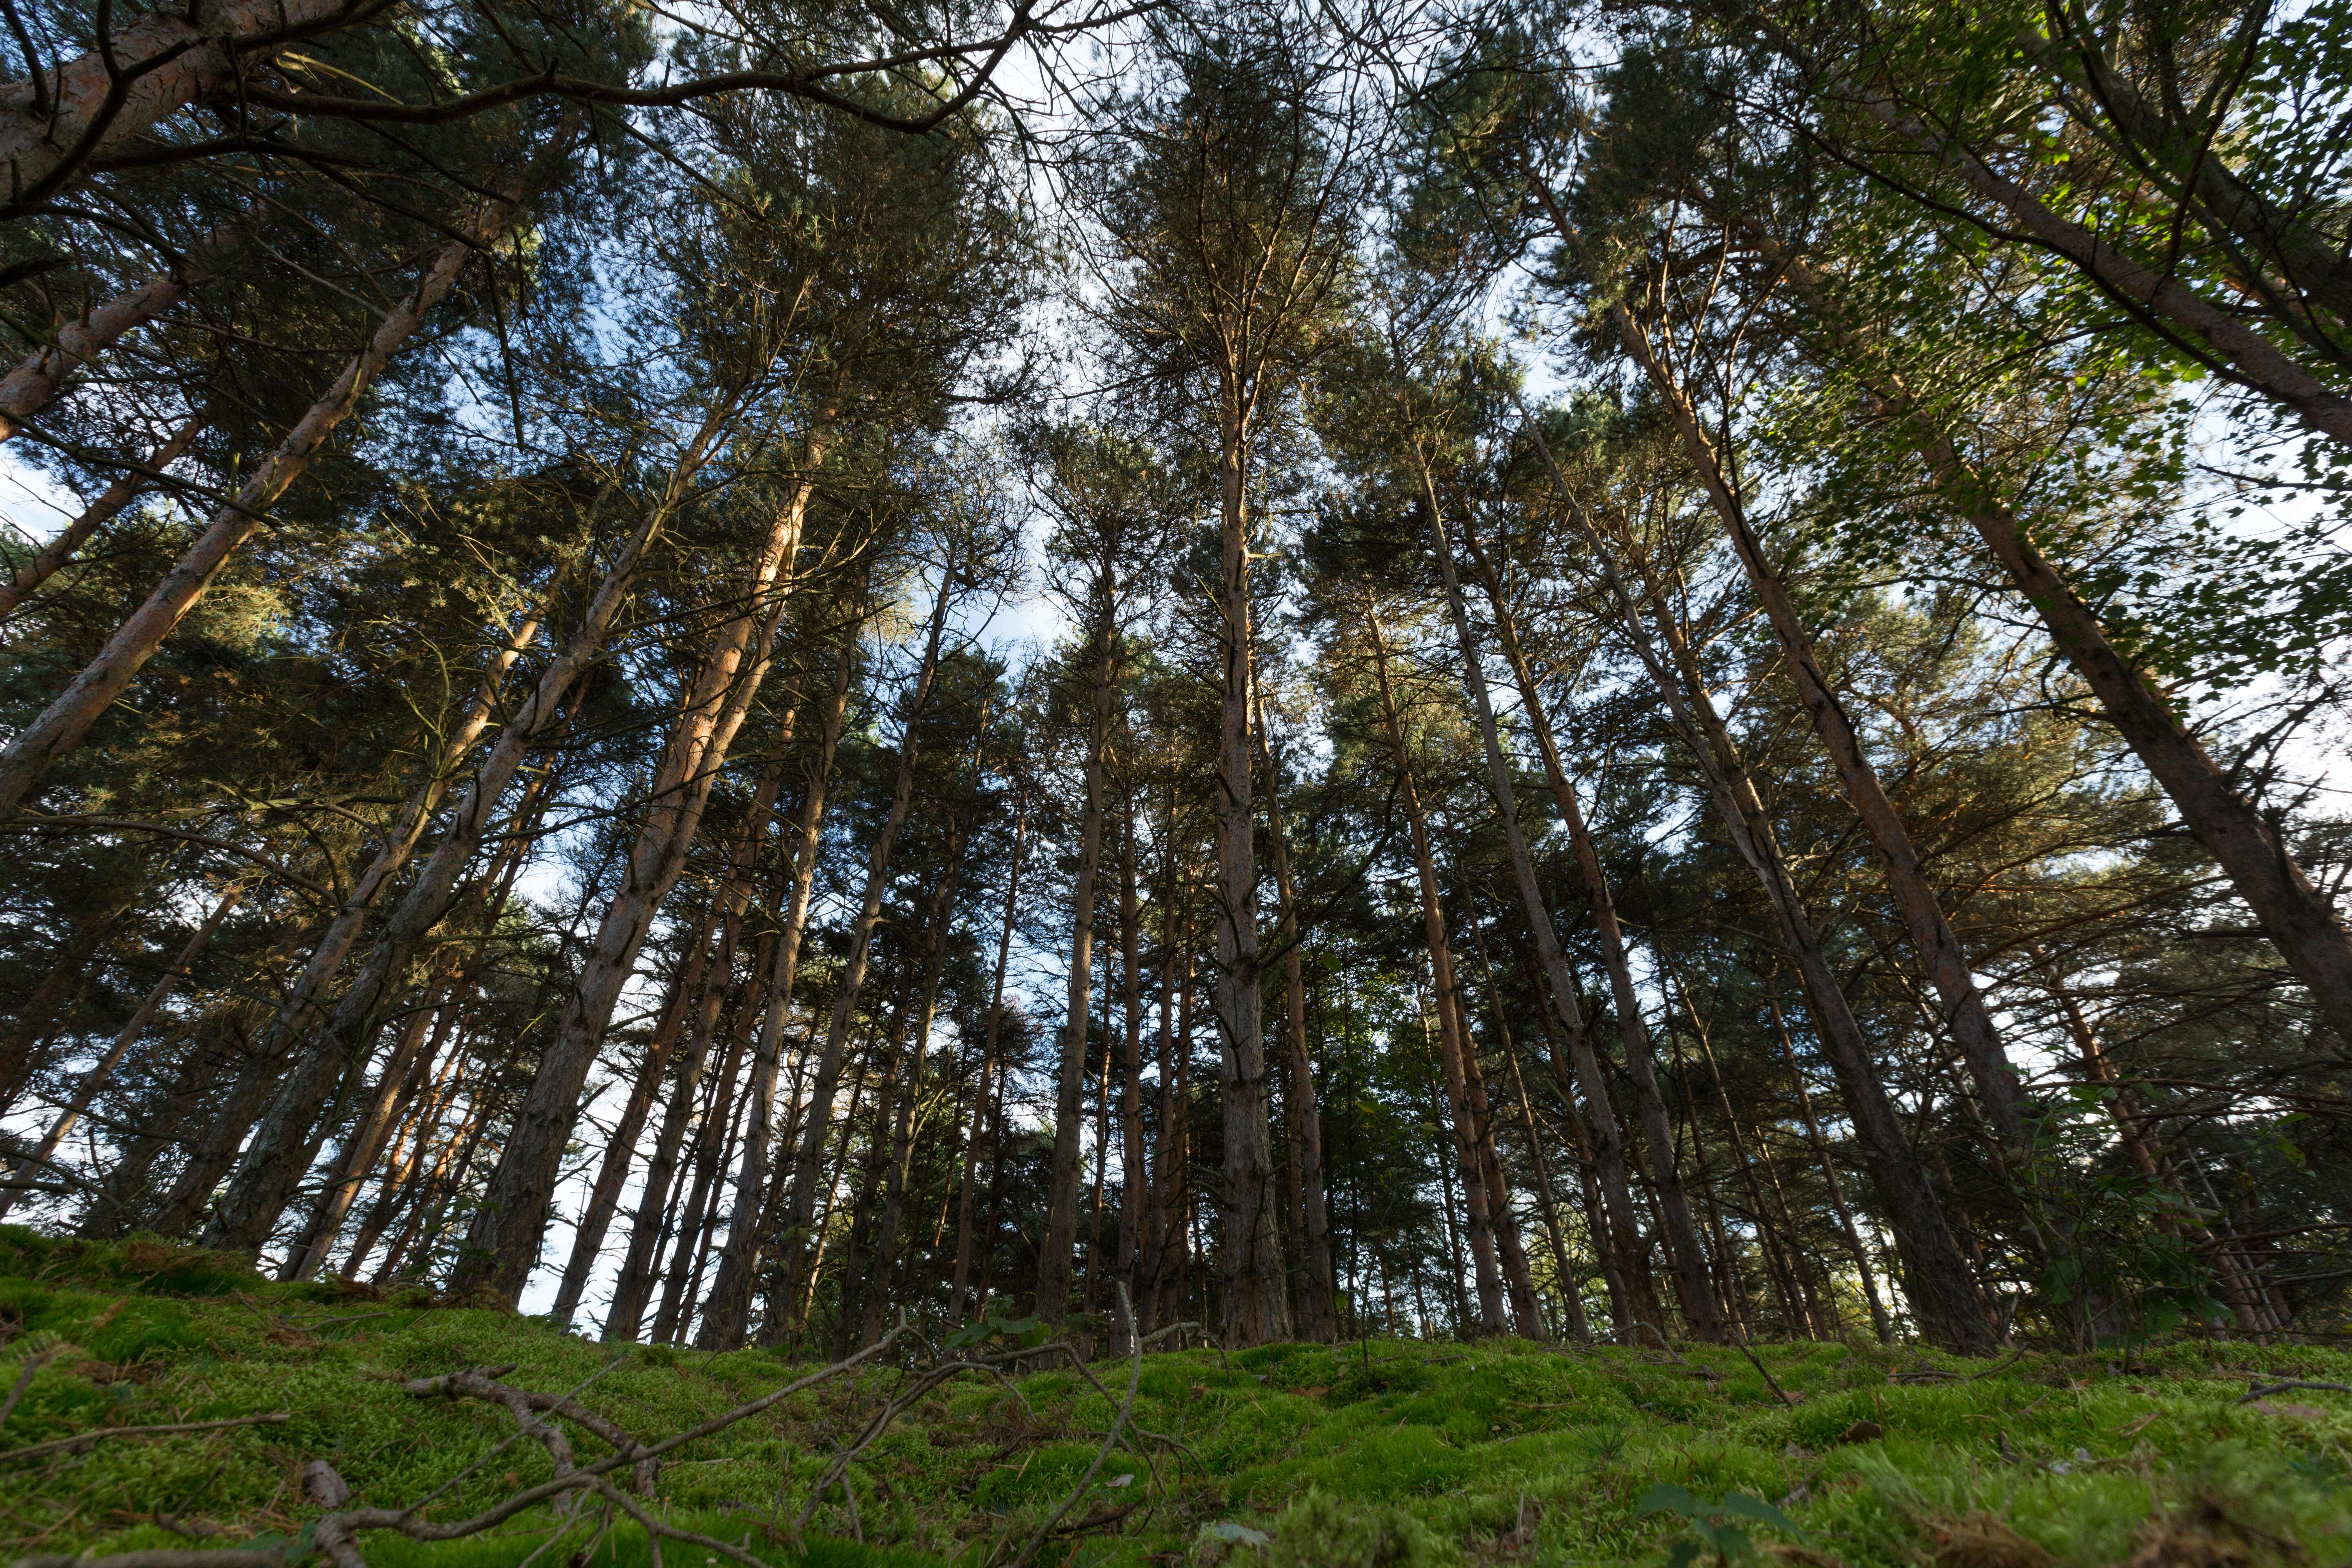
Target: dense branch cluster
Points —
{"points": [[1647, 672]]}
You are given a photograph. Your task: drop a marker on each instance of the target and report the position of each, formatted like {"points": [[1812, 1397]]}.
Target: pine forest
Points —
{"points": [[1256, 781]]}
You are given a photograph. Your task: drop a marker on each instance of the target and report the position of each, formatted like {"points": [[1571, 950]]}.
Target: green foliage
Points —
{"points": [[1713, 1520], [1320, 1530]]}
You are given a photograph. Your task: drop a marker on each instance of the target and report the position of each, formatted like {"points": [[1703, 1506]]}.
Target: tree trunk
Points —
{"points": [[503, 1245], [1133, 1172], [1453, 1048], [2301, 921], [901, 1168], [800, 1202], [95, 516], [981, 1100], [1055, 1249], [27, 389], [1939, 1279], [273, 1165], [1682, 1239], [1250, 1260], [103, 1069], [1572, 1304], [1311, 1211], [62, 725], [1941, 953], [1519, 1278], [730, 1299], [164, 61], [1845, 1212]]}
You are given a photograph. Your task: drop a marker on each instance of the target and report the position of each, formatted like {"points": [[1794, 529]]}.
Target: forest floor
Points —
{"points": [[1383, 1452]]}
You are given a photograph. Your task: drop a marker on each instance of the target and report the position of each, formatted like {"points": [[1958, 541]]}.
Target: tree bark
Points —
{"points": [[1453, 1048], [735, 891], [1134, 1174], [800, 1202], [93, 516], [2302, 922], [503, 1245], [1310, 1209], [27, 389], [164, 60], [63, 725]]}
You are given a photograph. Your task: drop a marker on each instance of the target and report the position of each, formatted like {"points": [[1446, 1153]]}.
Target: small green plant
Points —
{"points": [[1013, 1330], [1712, 1522]]}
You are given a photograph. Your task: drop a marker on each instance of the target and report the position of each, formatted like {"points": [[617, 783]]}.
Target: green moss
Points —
{"points": [[1387, 1452]]}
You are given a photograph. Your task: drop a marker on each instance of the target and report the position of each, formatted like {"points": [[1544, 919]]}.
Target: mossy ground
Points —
{"points": [[1506, 1453]]}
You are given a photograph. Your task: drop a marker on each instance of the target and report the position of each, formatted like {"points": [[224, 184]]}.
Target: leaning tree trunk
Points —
{"points": [[103, 1069], [165, 61], [129, 487], [503, 1243], [62, 725], [2294, 914], [1062, 1193], [1452, 1048], [1939, 1282], [1310, 1209], [274, 1162], [1681, 1238], [28, 388], [620, 1154], [1941, 953]]}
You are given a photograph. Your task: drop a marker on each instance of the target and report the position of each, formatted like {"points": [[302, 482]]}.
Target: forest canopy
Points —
{"points": [[1644, 673]]}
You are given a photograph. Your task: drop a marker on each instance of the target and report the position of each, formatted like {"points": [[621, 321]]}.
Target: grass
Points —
{"points": [[1378, 1454]]}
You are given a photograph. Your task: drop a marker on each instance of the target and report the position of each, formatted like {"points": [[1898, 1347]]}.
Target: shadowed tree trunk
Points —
{"points": [[1311, 1211], [1453, 1049]]}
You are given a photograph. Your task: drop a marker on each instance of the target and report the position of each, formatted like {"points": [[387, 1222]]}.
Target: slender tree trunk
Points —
{"points": [[274, 1165], [1454, 1049], [1170, 1191], [28, 388], [1937, 1275], [728, 1309], [129, 487], [1941, 953], [1519, 1278], [800, 1204], [670, 1026], [62, 725], [502, 1247], [1836, 1188], [103, 1069], [1055, 1249], [1682, 1239], [1571, 1303], [713, 1147], [982, 1124], [899, 1170], [1250, 1258], [1775, 1259], [1134, 1175], [1311, 1209]]}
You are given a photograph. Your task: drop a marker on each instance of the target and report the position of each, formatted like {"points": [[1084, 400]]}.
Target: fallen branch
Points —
{"points": [[2264, 1390], [482, 1383], [1127, 1406]]}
